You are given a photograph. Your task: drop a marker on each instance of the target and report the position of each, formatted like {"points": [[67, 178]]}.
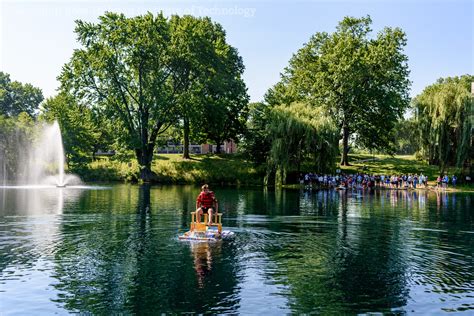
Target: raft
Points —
{"points": [[202, 231]]}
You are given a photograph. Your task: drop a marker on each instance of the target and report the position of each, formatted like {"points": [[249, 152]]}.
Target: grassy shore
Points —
{"points": [[235, 170], [172, 168], [388, 165], [399, 165]]}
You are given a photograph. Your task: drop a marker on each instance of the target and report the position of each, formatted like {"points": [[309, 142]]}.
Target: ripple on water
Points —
{"points": [[292, 253]]}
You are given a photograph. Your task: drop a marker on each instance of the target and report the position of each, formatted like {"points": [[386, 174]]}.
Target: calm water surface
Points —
{"points": [[114, 249]]}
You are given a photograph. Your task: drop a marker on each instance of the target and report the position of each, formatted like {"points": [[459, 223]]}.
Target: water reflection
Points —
{"points": [[133, 262], [202, 260], [116, 251], [383, 253], [35, 201]]}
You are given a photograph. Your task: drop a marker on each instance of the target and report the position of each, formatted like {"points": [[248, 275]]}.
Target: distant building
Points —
{"points": [[228, 147], [101, 152]]}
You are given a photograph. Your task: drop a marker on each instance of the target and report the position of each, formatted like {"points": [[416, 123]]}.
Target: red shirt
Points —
{"points": [[206, 199]]}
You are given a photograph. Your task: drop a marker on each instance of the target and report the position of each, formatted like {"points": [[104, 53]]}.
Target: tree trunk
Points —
{"points": [[298, 161], [345, 145], [145, 157], [218, 147], [186, 139]]}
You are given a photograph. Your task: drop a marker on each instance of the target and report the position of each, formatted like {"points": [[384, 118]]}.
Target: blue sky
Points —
{"points": [[36, 37]]}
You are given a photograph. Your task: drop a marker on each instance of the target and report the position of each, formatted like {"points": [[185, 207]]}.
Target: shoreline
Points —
{"points": [[461, 189]]}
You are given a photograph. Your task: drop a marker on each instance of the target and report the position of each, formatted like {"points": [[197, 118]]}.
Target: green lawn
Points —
{"points": [[234, 170], [172, 168], [388, 165], [384, 164]]}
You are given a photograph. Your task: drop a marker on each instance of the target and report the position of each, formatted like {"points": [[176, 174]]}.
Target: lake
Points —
{"points": [[114, 249]]}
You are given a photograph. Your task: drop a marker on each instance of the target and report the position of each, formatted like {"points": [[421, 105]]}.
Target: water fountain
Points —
{"points": [[38, 162]]}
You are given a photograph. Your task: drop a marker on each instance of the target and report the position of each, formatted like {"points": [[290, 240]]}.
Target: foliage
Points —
{"points": [[444, 114], [406, 136], [362, 81], [147, 72], [80, 133], [172, 168], [16, 97], [124, 69], [15, 133], [298, 131], [212, 97], [256, 142]]}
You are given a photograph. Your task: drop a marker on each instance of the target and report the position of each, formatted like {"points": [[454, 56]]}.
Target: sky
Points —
{"points": [[37, 37]]}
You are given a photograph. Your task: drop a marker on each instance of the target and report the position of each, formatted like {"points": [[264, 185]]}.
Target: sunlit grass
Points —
{"points": [[234, 169], [397, 165]]}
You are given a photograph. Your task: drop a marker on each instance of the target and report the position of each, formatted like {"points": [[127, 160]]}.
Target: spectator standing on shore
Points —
{"points": [[445, 181], [454, 179]]}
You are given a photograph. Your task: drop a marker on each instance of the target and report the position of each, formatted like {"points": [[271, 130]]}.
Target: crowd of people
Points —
{"points": [[363, 181]]}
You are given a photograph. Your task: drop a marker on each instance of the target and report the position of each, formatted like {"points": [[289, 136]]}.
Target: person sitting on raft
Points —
{"points": [[206, 202]]}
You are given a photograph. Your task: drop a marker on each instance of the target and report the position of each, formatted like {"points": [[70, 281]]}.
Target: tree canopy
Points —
{"points": [[16, 97], [124, 68], [147, 72], [212, 98], [361, 80], [81, 131]]}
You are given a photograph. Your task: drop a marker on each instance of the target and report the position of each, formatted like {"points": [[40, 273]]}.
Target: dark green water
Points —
{"points": [[115, 250]]}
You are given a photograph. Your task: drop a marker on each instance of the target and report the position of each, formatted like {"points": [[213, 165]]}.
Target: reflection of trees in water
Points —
{"points": [[331, 267], [350, 252], [133, 263], [366, 262]]}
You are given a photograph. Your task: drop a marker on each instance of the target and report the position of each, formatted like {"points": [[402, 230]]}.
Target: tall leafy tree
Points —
{"points": [[225, 115], [444, 113], [212, 96], [300, 131], [406, 136], [16, 97], [361, 80], [124, 67], [256, 141]]}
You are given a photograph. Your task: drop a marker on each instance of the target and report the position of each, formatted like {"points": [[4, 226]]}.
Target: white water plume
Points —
{"points": [[37, 162]]}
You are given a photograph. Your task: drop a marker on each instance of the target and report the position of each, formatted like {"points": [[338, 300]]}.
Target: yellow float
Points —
{"points": [[202, 231]]}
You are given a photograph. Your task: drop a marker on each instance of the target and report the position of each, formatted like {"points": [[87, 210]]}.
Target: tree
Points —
{"points": [[444, 115], [16, 97], [362, 81], [124, 68], [81, 136], [212, 96], [406, 136], [298, 131], [16, 133], [256, 142], [225, 115]]}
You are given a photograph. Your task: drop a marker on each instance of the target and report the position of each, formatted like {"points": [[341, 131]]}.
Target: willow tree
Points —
{"points": [[300, 131], [362, 80], [444, 113]]}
